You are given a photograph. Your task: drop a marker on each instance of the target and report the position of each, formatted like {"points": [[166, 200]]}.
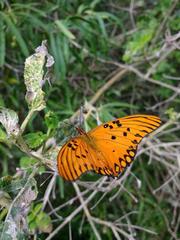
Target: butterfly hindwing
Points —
{"points": [[77, 157]]}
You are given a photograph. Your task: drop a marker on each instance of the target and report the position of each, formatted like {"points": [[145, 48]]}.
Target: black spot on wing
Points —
{"points": [[138, 135], [134, 141], [86, 166], [113, 137], [145, 131], [69, 145], [80, 168]]}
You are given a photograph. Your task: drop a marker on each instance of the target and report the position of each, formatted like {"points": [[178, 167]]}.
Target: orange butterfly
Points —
{"points": [[107, 149]]}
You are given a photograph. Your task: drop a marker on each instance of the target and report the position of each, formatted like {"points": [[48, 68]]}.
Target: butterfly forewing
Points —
{"points": [[119, 139]]}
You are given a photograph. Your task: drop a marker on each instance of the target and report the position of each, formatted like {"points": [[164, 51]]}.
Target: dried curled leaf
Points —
{"points": [[15, 225], [34, 76], [9, 120], [5, 199]]}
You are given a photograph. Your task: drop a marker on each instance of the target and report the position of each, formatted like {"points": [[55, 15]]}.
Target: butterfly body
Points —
{"points": [[107, 149]]}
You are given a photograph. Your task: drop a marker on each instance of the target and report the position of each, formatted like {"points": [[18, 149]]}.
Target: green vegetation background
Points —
{"points": [[88, 39]]}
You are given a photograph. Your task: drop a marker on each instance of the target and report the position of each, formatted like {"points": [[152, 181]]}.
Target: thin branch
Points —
{"points": [[167, 51], [88, 215], [48, 190], [142, 76], [103, 89], [111, 225], [167, 182], [74, 213], [163, 23]]}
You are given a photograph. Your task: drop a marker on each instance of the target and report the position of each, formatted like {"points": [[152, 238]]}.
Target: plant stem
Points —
{"points": [[26, 120]]}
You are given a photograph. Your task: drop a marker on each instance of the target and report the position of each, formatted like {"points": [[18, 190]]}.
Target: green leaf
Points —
{"points": [[1, 101], [44, 222], [61, 60], [140, 40], [34, 140], [51, 120], [63, 28], [60, 182], [5, 182], [3, 136], [119, 105], [15, 32], [172, 114], [5, 199], [27, 163], [39, 220], [12, 185], [102, 26], [2, 43]]}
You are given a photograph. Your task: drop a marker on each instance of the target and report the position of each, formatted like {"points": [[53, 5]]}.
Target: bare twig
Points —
{"points": [[86, 211], [102, 90], [49, 189], [163, 23], [74, 213]]}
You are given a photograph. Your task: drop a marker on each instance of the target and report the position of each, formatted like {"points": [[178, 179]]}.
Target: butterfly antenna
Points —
{"points": [[81, 131]]}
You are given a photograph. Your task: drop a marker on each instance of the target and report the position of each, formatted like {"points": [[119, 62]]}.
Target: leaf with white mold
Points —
{"points": [[9, 119], [34, 76]]}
